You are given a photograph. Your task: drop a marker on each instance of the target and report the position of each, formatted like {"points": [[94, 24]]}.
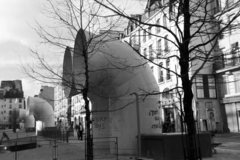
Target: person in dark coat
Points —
{"points": [[80, 131]]}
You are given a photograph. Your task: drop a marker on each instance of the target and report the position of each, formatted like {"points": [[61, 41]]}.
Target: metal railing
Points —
{"points": [[232, 61], [55, 135]]}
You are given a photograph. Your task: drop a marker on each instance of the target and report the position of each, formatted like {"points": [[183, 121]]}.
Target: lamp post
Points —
{"points": [[138, 123]]}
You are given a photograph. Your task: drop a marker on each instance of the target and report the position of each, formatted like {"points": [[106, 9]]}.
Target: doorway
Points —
{"points": [[169, 122]]}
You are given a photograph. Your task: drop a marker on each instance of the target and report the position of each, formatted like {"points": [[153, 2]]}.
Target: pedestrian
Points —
{"points": [[80, 131], [4, 135]]}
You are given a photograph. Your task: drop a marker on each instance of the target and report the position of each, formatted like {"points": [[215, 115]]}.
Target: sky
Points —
{"points": [[17, 35]]}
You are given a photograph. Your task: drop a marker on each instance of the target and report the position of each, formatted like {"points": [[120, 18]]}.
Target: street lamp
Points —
{"points": [[138, 123]]}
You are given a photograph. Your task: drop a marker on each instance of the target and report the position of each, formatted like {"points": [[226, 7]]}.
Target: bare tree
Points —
{"points": [[193, 29]]}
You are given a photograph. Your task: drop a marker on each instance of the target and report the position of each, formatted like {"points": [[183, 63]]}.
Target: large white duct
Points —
{"points": [[41, 110], [37, 110], [116, 71], [29, 120]]}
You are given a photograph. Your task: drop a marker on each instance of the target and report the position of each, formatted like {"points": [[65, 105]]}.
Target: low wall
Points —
{"points": [[21, 144], [170, 146]]}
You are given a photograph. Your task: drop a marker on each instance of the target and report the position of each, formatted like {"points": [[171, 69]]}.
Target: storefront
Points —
{"points": [[208, 115], [231, 114], [171, 116]]}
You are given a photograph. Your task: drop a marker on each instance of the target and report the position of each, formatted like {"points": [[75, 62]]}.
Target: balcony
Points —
{"points": [[228, 60], [232, 61]]}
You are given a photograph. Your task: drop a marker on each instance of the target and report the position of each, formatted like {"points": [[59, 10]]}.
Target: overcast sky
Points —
{"points": [[17, 17]]}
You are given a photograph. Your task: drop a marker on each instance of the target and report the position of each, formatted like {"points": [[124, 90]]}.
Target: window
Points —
{"points": [[145, 52], [133, 40], [219, 27], [149, 32], [237, 82], [164, 20], [234, 47], [10, 106], [229, 3], [10, 100], [216, 6], [168, 69], [10, 112], [232, 83], [159, 47], [230, 26], [160, 77], [172, 11], [144, 36], [211, 86], [20, 106], [4, 111], [158, 29], [20, 100], [150, 52], [166, 94], [205, 86], [166, 44], [235, 54], [148, 13], [152, 69]]}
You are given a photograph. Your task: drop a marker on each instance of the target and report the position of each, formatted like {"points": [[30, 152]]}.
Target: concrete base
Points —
{"points": [[171, 147]]}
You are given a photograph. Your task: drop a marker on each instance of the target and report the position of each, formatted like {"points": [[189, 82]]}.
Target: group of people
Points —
{"points": [[79, 129]]}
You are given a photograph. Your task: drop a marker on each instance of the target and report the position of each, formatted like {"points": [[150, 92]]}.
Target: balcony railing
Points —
{"points": [[232, 59], [228, 60]]}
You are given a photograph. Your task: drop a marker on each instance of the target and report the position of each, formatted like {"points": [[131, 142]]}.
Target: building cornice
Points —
{"points": [[231, 99]]}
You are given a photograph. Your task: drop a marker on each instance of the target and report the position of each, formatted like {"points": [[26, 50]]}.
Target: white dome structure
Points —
{"points": [[115, 72]]}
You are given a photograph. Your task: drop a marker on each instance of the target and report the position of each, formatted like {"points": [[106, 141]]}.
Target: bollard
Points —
{"points": [[67, 136], [55, 151]]}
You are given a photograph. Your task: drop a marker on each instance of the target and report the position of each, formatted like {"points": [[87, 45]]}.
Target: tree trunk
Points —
{"points": [[88, 129], [189, 120], [187, 85]]}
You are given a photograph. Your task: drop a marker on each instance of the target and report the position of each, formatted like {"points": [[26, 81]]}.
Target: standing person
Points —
{"points": [[77, 130], [80, 135], [212, 121]]}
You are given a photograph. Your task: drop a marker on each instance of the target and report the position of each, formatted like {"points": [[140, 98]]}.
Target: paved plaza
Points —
{"points": [[74, 150]]}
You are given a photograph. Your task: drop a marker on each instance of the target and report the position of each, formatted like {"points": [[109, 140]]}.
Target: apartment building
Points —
{"points": [[11, 99], [153, 43], [8, 105], [227, 70]]}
